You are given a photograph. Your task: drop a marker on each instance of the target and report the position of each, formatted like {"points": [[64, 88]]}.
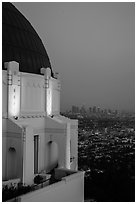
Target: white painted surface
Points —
{"points": [[11, 139], [70, 189], [19, 134], [28, 156], [55, 84], [32, 93], [13, 95], [4, 94]]}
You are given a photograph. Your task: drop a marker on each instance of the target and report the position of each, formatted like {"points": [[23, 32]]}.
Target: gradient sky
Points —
{"points": [[91, 45]]}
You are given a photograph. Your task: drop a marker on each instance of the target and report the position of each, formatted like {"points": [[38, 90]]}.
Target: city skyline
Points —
{"points": [[91, 45], [91, 107]]}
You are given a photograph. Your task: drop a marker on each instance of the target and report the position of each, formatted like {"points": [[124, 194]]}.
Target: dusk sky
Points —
{"points": [[91, 45]]}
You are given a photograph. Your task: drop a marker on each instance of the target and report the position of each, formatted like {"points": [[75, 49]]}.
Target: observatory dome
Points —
{"points": [[20, 42]]}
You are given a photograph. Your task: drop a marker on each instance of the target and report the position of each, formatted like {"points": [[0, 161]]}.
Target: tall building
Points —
{"points": [[36, 139], [109, 111], [75, 109], [98, 109], [90, 109], [83, 110], [94, 109]]}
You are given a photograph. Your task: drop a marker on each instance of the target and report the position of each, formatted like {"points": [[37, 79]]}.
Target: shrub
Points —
{"points": [[38, 179]]}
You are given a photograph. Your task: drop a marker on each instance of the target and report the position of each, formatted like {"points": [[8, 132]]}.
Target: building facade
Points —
{"points": [[36, 139]]}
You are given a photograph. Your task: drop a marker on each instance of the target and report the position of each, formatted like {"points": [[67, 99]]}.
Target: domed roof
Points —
{"points": [[20, 42]]}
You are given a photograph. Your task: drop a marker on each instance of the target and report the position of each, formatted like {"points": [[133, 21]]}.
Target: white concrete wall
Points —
{"points": [[74, 144], [32, 93], [49, 157], [14, 140], [52, 92], [55, 86], [52, 151], [48, 130], [73, 138], [11, 138], [21, 137], [48, 153], [70, 189], [28, 156], [4, 156], [33, 102], [4, 148], [4, 94]]}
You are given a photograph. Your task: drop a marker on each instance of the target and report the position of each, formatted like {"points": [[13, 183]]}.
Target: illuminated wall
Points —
{"points": [[32, 94], [13, 83], [4, 94], [52, 86], [32, 97], [29, 94], [55, 96]]}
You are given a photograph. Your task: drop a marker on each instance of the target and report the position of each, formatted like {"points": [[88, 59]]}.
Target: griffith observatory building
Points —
{"points": [[36, 139]]}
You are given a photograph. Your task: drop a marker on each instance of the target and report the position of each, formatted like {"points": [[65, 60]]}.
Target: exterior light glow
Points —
{"points": [[49, 101], [13, 88], [14, 101]]}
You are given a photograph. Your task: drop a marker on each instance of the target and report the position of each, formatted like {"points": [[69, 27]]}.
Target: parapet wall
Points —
{"points": [[69, 189]]}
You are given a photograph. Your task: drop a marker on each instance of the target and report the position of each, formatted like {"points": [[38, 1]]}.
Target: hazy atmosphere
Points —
{"points": [[91, 45]]}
